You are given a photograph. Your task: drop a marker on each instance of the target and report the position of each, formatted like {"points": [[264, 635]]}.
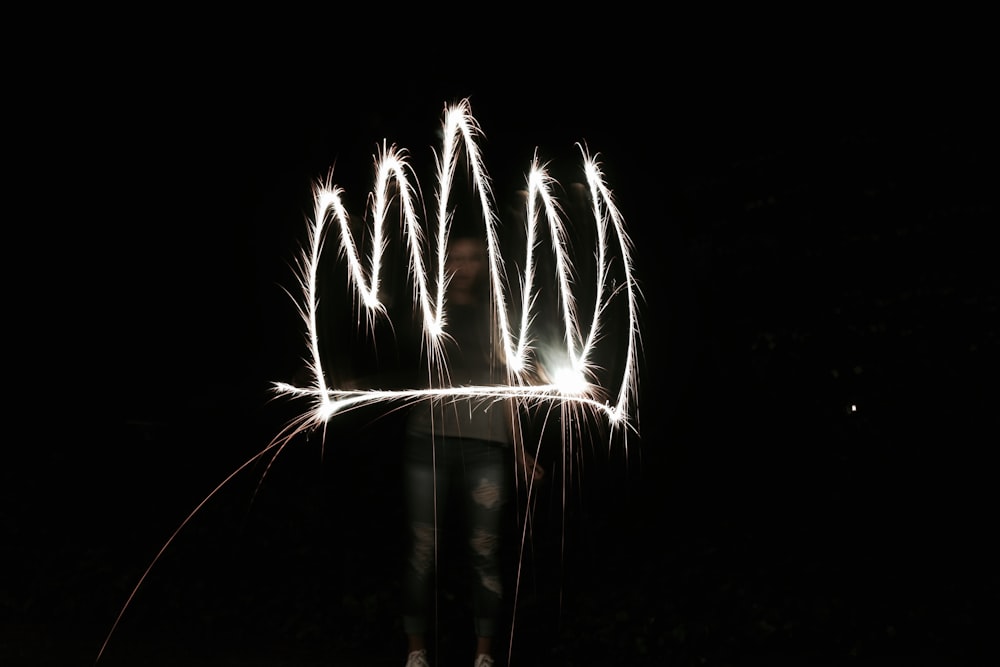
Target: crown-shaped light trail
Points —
{"points": [[572, 382], [569, 382]]}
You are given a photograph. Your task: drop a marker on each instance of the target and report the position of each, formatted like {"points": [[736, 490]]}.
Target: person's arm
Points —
{"points": [[527, 467]]}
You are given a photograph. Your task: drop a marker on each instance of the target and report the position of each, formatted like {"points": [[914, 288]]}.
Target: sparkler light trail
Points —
{"points": [[570, 383]]}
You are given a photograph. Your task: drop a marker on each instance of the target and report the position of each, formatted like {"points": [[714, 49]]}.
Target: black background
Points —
{"points": [[812, 221]]}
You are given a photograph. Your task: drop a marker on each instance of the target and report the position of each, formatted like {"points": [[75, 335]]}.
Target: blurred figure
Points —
{"points": [[458, 456]]}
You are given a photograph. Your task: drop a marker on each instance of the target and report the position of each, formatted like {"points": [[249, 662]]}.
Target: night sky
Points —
{"points": [[810, 236]]}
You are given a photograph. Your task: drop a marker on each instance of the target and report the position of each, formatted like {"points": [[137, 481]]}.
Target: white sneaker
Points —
{"points": [[417, 659], [483, 660]]}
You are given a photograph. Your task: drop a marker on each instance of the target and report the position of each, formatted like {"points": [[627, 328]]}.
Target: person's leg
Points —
{"points": [[486, 487], [423, 508]]}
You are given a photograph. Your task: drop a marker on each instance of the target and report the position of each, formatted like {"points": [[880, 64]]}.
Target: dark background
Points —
{"points": [[813, 227]]}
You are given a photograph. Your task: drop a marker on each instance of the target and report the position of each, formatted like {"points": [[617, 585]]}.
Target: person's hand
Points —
{"points": [[529, 468]]}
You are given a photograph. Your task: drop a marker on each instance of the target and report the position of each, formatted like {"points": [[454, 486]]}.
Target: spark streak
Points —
{"points": [[524, 366], [569, 387]]}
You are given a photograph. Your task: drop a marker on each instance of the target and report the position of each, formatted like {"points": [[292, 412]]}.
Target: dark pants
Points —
{"points": [[476, 474]]}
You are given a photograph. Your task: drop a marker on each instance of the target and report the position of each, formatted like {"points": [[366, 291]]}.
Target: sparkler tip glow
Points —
{"points": [[571, 382]]}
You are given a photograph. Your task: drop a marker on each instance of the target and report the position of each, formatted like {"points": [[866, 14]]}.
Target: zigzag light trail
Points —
{"points": [[567, 385], [571, 384]]}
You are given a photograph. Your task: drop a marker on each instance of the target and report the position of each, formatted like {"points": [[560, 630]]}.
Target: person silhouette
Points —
{"points": [[461, 452]]}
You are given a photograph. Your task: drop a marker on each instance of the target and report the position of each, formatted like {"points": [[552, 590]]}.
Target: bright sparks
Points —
{"points": [[570, 382], [563, 374]]}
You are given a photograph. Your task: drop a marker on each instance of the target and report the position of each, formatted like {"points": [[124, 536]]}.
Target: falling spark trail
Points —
{"points": [[275, 444]]}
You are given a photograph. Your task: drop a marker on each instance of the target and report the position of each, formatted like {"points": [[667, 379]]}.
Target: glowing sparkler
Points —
{"points": [[570, 385]]}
